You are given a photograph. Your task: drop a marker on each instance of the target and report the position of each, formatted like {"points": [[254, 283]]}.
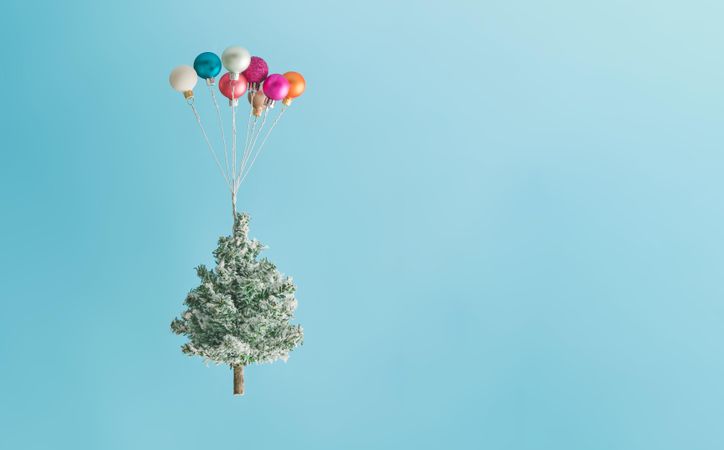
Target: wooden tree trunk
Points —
{"points": [[238, 380]]}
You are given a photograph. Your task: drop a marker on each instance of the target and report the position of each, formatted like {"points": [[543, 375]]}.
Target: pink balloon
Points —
{"points": [[257, 70], [276, 86], [227, 85]]}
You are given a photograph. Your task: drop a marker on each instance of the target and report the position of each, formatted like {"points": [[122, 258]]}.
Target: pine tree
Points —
{"points": [[240, 313]]}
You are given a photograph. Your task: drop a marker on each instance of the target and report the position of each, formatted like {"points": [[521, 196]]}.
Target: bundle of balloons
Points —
{"points": [[249, 75]]}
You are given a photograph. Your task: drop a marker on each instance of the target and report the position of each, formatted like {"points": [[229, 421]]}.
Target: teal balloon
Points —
{"points": [[207, 65]]}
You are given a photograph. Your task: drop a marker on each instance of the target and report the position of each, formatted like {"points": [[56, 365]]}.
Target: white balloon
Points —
{"points": [[183, 78], [236, 59]]}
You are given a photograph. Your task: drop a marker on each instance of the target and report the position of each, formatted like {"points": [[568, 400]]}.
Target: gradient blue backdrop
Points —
{"points": [[504, 218]]}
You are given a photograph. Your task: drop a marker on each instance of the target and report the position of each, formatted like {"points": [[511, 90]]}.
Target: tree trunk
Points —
{"points": [[238, 380]]}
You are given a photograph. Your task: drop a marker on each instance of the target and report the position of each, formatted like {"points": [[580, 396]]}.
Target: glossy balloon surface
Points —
{"points": [[207, 65], [276, 87], [183, 78], [296, 84], [232, 89], [236, 59], [258, 100]]}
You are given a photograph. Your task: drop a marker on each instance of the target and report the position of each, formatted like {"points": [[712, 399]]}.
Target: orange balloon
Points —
{"points": [[296, 84]]}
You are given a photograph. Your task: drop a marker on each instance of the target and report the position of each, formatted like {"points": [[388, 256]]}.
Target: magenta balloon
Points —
{"points": [[257, 70], [276, 86]]}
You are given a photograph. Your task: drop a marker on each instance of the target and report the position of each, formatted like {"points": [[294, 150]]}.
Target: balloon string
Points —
{"points": [[221, 127], [253, 141], [248, 122], [261, 146], [246, 146], [233, 133], [247, 149], [208, 143]]}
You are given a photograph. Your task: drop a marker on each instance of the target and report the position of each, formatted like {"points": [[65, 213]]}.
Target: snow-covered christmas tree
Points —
{"points": [[240, 313]]}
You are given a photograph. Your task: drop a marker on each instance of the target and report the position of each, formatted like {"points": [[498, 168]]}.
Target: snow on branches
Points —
{"points": [[241, 312]]}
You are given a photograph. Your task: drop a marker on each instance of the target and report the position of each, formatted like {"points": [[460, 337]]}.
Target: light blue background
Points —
{"points": [[505, 220]]}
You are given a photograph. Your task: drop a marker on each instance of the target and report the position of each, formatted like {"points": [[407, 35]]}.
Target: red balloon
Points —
{"points": [[227, 85]]}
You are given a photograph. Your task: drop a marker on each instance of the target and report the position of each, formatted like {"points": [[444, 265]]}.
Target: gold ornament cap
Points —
{"points": [[188, 94]]}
